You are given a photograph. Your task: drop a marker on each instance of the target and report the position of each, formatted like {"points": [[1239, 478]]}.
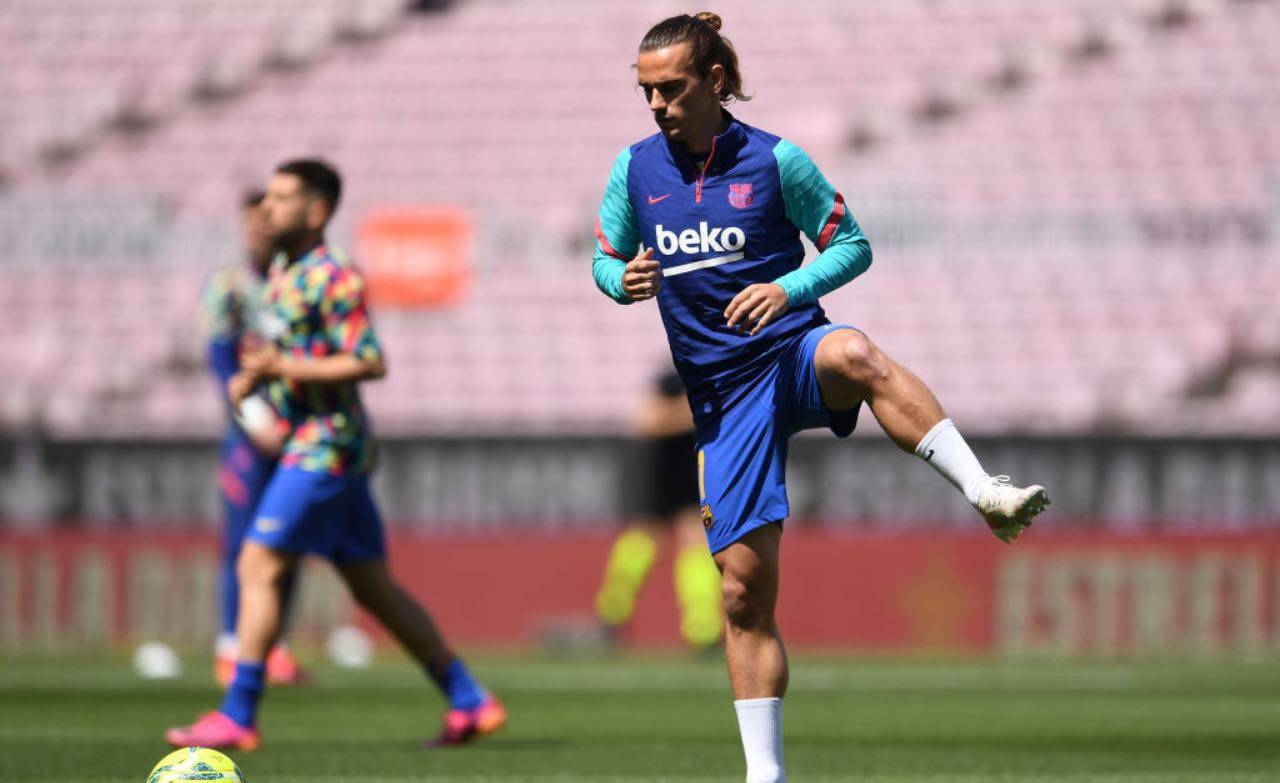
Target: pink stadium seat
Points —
{"points": [[1038, 258]]}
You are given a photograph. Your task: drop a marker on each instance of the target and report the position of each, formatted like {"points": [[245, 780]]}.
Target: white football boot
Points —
{"points": [[1007, 509]]}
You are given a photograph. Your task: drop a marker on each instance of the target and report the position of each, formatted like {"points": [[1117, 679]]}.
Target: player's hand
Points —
{"points": [[642, 278], [756, 307], [264, 361], [240, 385], [266, 430], [268, 441]]}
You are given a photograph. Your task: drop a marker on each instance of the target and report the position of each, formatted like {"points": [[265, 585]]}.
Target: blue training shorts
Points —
{"points": [[318, 513], [742, 448]]}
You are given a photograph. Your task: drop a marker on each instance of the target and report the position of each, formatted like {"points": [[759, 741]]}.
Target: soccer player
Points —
{"points": [[318, 501], [254, 435], [706, 217], [668, 443]]}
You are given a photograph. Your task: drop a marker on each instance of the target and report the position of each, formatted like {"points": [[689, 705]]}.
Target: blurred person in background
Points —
{"points": [[706, 216], [321, 346], [669, 494], [254, 435]]}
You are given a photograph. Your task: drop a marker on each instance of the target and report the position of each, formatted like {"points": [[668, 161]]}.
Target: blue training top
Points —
{"points": [[718, 226]]}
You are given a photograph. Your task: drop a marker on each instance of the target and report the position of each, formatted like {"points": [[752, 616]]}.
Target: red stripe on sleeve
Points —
{"points": [[604, 243], [833, 222]]}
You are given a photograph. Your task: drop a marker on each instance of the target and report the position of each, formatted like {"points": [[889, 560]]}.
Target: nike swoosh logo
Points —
{"points": [[653, 200], [928, 456]]}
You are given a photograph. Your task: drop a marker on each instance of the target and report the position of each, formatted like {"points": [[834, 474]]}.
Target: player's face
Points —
{"points": [[291, 211], [683, 102], [257, 236]]}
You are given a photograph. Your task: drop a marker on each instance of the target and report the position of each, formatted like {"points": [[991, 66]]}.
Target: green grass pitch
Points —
{"points": [[639, 718]]}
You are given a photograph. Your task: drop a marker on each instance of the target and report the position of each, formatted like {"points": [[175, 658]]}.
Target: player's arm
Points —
{"points": [[664, 416], [266, 429], [268, 362], [665, 411], [254, 415], [356, 352], [623, 271], [218, 323], [819, 211]]}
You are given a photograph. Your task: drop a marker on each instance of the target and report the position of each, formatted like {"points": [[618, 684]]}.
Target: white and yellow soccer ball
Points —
{"points": [[203, 764]]}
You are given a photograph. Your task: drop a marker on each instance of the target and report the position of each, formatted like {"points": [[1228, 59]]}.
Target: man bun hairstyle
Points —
{"points": [[318, 177], [709, 47]]}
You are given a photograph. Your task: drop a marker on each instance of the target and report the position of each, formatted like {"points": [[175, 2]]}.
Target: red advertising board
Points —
{"points": [[1102, 595], [415, 256]]}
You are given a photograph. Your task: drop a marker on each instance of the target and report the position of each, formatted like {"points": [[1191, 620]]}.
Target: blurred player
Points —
{"points": [[254, 434], [668, 444], [706, 216], [318, 501]]}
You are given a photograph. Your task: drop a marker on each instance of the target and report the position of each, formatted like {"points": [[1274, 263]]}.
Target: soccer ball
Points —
{"points": [[204, 764]]}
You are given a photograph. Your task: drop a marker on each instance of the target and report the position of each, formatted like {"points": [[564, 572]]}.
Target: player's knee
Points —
{"points": [[744, 608], [260, 566], [861, 361]]}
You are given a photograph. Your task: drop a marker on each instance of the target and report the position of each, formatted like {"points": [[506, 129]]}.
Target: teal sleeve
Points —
{"points": [[818, 210], [617, 238]]}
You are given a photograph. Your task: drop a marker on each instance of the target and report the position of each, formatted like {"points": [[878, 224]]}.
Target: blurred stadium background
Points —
{"points": [[1074, 207]]}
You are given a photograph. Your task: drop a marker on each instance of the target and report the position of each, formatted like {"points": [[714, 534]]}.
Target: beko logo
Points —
{"points": [[701, 240]]}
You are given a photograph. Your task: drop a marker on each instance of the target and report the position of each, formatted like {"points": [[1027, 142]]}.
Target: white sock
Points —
{"points": [[760, 722], [944, 448]]}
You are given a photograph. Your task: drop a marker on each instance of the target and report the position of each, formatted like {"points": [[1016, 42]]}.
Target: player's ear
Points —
{"points": [[317, 214], [716, 78]]}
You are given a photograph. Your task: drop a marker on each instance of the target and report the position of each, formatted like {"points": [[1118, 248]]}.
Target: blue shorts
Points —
{"points": [[318, 513], [742, 448], [243, 475]]}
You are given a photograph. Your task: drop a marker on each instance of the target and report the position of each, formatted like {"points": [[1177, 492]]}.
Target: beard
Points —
{"points": [[289, 239]]}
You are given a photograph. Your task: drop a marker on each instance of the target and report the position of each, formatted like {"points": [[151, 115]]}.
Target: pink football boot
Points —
{"points": [[214, 730], [462, 726]]}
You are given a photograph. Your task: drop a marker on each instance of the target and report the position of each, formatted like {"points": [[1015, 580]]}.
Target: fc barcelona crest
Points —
{"points": [[740, 194]]}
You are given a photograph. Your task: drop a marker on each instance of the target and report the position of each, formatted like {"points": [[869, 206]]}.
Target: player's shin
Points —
{"points": [[945, 449], [760, 723], [240, 703], [1007, 509], [261, 573], [758, 674]]}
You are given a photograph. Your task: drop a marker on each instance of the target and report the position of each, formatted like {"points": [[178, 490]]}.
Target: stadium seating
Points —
{"points": [[1064, 257], [73, 72]]}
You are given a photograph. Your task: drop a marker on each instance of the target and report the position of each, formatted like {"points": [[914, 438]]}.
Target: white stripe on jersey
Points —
{"points": [[705, 263]]}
